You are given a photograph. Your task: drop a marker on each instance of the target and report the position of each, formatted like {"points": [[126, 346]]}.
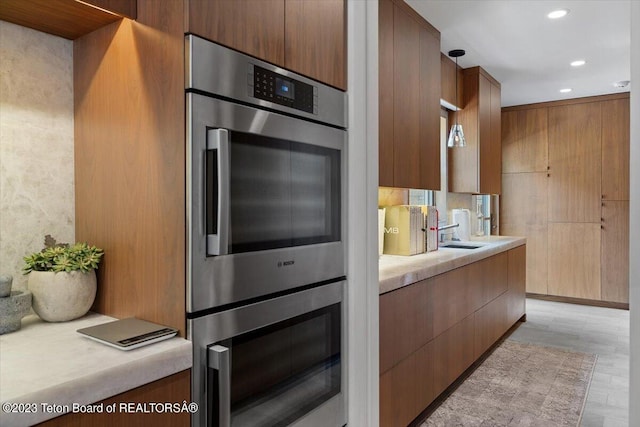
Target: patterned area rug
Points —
{"points": [[520, 385]]}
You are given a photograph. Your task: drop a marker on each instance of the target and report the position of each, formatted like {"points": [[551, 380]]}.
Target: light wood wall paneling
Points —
{"points": [[615, 251], [130, 162], [615, 149], [256, 27], [575, 163], [574, 260]]}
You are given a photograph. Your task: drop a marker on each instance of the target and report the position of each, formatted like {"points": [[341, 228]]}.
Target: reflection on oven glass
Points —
{"points": [[284, 371]]}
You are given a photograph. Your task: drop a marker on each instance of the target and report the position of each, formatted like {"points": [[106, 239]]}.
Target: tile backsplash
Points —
{"points": [[36, 144]]}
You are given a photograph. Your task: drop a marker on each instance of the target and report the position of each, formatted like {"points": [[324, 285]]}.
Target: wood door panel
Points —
{"points": [[425, 392], [484, 136], [574, 260], [524, 198], [615, 149], [517, 284], [406, 100], [405, 322], [447, 79], [453, 353], [525, 141], [453, 298], [494, 169], [490, 322], [429, 111], [398, 394], [615, 251], [255, 27], [315, 40], [385, 92], [536, 265], [575, 163]]}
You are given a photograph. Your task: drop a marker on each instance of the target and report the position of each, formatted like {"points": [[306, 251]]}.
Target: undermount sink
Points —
{"points": [[456, 245]]}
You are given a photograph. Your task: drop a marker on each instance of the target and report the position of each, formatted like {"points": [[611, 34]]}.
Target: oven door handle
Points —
{"points": [[218, 359], [218, 241]]}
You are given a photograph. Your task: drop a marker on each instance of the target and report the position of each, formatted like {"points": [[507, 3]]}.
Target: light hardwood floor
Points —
{"points": [[602, 331]]}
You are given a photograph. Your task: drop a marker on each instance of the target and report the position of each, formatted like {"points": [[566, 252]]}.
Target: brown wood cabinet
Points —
{"points": [[66, 18], [448, 73], [615, 251], [524, 141], [615, 149], [409, 139], [562, 209], [308, 37], [575, 134], [476, 168], [433, 330], [172, 389]]}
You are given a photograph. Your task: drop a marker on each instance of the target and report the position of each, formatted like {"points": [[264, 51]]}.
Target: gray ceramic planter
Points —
{"points": [[59, 297]]}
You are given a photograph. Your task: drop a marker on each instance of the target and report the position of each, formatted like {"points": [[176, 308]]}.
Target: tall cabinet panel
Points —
{"points": [[574, 260], [406, 100], [615, 251], [409, 84], [615, 149], [476, 168], [575, 163], [575, 214]]}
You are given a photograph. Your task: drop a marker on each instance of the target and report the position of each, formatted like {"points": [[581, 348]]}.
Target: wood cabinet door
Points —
{"points": [[489, 322], [255, 27], [429, 111], [494, 168], [398, 394], [406, 99], [385, 93], [575, 163], [406, 322], [484, 183], [453, 353], [615, 251], [574, 260], [615, 149], [517, 284], [315, 40], [524, 141]]}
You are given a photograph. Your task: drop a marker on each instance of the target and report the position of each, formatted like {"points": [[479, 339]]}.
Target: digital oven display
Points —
{"points": [[285, 88]]}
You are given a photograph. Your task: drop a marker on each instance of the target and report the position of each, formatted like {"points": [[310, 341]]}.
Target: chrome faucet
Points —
{"points": [[446, 227]]}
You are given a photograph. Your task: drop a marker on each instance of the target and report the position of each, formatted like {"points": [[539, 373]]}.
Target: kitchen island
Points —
{"points": [[47, 368], [439, 313]]}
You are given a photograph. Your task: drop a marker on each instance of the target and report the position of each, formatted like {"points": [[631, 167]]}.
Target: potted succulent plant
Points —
{"points": [[62, 279]]}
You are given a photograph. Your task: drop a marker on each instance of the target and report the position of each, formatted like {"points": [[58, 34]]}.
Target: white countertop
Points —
{"points": [[398, 271], [52, 363]]}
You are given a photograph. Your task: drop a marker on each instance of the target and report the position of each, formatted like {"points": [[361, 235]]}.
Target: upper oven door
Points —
{"points": [[265, 202]]}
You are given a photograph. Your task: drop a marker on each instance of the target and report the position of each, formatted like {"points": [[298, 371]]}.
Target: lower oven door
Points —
{"points": [[273, 363]]}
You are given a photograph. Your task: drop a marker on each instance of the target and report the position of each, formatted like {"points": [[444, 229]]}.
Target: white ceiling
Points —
{"points": [[528, 53]]}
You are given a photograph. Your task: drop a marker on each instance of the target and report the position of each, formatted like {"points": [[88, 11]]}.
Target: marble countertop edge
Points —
{"points": [[398, 271]]}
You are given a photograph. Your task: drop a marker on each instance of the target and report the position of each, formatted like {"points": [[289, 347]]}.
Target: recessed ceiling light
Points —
{"points": [[578, 63], [558, 13], [622, 83], [566, 90]]}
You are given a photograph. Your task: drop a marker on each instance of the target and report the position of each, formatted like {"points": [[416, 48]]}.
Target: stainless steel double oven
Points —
{"points": [[266, 204]]}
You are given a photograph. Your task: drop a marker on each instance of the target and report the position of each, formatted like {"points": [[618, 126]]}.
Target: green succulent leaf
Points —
{"points": [[59, 257]]}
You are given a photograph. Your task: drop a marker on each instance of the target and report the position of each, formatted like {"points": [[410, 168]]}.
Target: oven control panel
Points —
{"points": [[273, 87]]}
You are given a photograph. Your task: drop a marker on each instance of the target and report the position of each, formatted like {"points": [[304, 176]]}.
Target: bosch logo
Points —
{"points": [[285, 263]]}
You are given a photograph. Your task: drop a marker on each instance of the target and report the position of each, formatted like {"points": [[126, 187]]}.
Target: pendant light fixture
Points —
{"points": [[456, 136]]}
